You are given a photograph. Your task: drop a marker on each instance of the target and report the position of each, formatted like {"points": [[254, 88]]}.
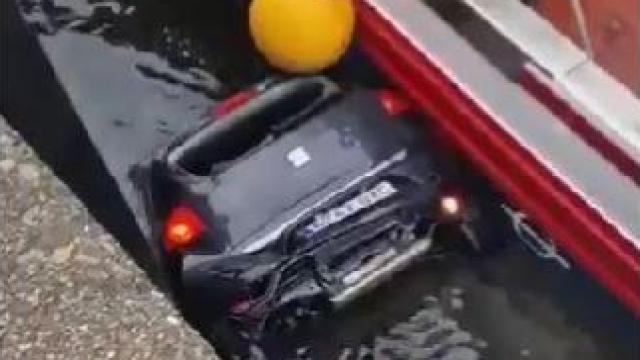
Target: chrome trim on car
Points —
{"points": [[380, 270]]}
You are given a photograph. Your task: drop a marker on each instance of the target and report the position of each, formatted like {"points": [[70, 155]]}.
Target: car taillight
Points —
{"points": [[451, 207], [183, 229], [232, 103], [394, 103]]}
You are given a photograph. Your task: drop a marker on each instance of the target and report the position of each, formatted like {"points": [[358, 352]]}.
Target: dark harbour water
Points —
{"points": [[125, 76]]}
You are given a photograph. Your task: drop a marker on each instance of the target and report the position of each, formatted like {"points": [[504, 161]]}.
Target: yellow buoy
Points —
{"points": [[302, 36]]}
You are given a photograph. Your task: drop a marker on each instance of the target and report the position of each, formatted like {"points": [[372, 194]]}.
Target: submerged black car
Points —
{"points": [[304, 194]]}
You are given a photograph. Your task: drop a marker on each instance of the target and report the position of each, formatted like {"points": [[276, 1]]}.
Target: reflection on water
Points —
{"points": [[207, 36], [137, 72], [428, 333]]}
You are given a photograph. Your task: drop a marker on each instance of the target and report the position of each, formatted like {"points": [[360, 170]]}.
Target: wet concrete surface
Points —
{"points": [[134, 75], [67, 289]]}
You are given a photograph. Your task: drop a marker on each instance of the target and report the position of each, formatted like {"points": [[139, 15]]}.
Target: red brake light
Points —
{"points": [[234, 102], [394, 103], [183, 229]]}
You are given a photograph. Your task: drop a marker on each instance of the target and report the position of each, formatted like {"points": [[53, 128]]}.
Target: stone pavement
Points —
{"points": [[67, 290]]}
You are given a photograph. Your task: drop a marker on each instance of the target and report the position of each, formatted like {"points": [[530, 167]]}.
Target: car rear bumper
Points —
{"points": [[379, 270]]}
